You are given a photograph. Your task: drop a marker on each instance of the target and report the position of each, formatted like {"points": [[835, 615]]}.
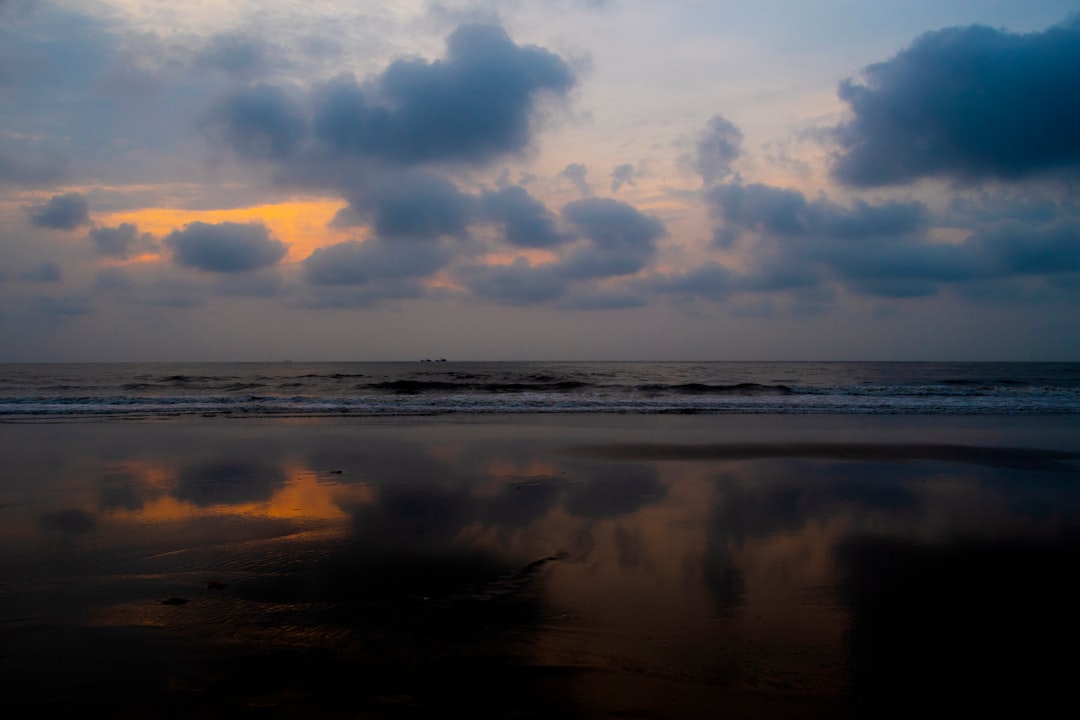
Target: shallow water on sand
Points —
{"points": [[533, 566]]}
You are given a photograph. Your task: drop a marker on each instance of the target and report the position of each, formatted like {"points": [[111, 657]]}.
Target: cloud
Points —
{"points": [[621, 239], [519, 283], [61, 308], [46, 272], [374, 261], [872, 249], [783, 212], [29, 170], [122, 241], [718, 147], [259, 123], [624, 174], [1018, 248], [414, 204], [225, 247], [472, 107], [236, 54], [965, 104], [575, 173], [709, 280], [525, 221], [61, 212]]}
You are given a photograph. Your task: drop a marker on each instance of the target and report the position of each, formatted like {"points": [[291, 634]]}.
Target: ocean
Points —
{"points": [[45, 392]]}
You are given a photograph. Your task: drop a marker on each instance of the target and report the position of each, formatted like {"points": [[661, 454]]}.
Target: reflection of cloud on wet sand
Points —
{"points": [[170, 494], [389, 564]]}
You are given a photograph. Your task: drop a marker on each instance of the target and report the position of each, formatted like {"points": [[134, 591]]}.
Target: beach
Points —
{"points": [[538, 565]]}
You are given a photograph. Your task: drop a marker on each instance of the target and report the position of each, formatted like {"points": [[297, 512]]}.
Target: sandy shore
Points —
{"points": [[533, 566]]}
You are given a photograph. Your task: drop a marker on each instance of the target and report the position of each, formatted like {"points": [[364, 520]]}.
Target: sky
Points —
{"points": [[555, 179]]}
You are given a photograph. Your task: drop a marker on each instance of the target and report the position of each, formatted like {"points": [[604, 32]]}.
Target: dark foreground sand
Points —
{"points": [[526, 567]]}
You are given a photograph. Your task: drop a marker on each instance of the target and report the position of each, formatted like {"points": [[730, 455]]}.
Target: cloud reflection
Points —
{"points": [[405, 555]]}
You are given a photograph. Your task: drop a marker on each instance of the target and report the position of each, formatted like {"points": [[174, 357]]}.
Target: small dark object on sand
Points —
{"points": [[336, 472], [215, 585], [174, 601]]}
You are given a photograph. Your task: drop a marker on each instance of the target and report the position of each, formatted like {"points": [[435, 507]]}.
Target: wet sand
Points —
{"points": [[532, 566]]}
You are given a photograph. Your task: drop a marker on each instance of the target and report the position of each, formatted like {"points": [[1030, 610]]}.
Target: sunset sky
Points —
{"points": [[556, 179]]}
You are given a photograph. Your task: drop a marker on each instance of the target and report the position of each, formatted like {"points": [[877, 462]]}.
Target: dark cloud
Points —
{"points": [[122, 241], [788, 213], [225, 247], [576, 174], [415, 204], [374, 261], [60, 307], [1032, 206], [115, 279], [1017, 248], [473, 106], [61, 212], [258, 123], [45, 272], [873, 249], [602, 298], [621, 239], [518, 283], [624, 174], [763, 208], [709, 280], [266, 284], [29, 171], [966, 104], [718, 147], [525, 221], [369, 294]]}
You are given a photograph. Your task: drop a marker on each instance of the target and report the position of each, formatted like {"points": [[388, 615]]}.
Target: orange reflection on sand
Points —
{"points": [[303, 224], [304, 495]]}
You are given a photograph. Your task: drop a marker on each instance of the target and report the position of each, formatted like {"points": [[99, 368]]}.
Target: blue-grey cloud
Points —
{"points": [[265, 284], [473, 106], [1017, 248], [788, 213], [710, 280], [225, 247], [376, 260], [965, 104], [44, 272], [115, 279], [58, 308], [415, 204], [624, 174], [61, 212], [369, 294], [519, 283], [151, 288], [576, 174], [718, 147], [122, 241], [28, 169], [524, 220], [873, 249], [259, 123], [1030, 205], [621, 239], [603, 298]]}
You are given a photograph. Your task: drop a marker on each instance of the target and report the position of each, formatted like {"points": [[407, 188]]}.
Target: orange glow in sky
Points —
{"points": [[302, 224]]}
